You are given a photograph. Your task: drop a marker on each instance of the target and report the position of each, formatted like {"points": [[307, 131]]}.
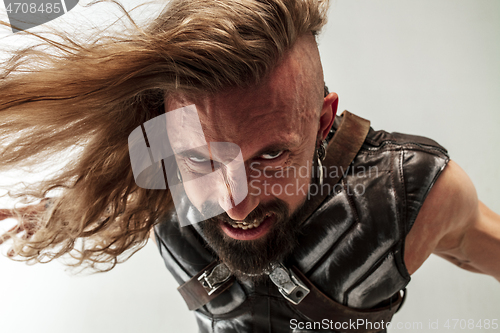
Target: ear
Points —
{"points": [[328, 112]]}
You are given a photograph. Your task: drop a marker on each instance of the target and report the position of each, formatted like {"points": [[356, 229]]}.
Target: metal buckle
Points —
{"points": [[211, 280], [289, 285]]}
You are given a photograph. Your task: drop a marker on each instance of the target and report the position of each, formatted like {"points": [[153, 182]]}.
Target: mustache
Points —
{"points": [[277, 207]]}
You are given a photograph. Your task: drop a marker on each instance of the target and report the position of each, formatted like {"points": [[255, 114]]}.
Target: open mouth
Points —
{"points": [[248, 230]]}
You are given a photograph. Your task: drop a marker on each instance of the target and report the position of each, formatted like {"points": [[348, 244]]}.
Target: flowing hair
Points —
{"points": [[93, 94]]}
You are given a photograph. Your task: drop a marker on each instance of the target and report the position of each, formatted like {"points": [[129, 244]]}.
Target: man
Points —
{"points": [[214, 111]]}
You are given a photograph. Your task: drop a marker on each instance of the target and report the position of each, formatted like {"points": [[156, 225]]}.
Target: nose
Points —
{"points": [[235, 195], [239, 200], [245, 207]]}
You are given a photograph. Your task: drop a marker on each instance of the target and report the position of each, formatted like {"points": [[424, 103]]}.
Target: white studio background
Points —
{"points": [[428, 67]]}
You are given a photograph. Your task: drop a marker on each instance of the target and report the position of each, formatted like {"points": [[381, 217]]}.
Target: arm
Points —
{"points": [[455, 225]]}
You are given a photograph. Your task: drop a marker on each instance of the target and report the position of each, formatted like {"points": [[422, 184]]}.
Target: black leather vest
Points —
{"points": [[352, 246]]}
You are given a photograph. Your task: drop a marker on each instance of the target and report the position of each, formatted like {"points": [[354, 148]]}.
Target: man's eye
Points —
{"points": [[272, 156], [198, 159]]}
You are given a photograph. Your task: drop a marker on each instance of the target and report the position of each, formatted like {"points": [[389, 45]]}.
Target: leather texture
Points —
{"points": [[351, 247]]}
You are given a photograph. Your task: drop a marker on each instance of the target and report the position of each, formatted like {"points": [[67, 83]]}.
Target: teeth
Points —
{"points": [[247, 225]]}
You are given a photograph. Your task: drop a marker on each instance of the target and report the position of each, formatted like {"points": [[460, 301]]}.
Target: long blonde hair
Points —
{"points": [[94, 94]]}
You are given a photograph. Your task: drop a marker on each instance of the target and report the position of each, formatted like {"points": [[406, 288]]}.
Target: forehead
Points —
{"points": [[281, 109]]}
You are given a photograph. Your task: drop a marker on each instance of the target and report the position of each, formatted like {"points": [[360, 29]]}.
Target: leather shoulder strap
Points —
{"points": [[346, 142], [341, 151]]}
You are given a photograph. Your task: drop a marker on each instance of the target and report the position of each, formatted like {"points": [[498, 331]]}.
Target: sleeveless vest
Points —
{"points": [[351, 247]]}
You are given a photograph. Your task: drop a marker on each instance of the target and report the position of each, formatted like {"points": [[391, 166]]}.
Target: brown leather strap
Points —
{"points": [[318, 307], [194, 293], [346, 143], [341, 151]]}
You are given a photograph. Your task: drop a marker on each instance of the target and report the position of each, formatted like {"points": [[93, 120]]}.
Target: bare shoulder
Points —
{"points": [[441, 224]]}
